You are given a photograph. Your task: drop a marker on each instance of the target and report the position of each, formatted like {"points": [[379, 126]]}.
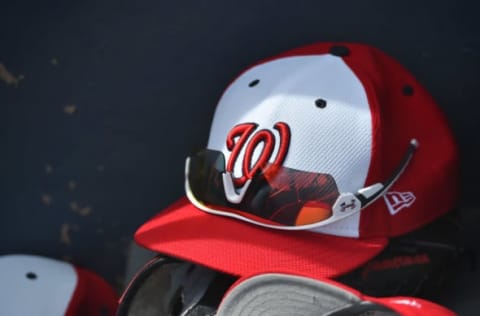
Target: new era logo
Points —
{"points": [[397, 200]]}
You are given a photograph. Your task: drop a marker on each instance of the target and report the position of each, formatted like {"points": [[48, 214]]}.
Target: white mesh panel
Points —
{"points": [[334, 140], [47, 294]]}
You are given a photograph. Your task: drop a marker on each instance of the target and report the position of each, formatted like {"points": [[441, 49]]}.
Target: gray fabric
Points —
{"points": [[155, 296], [194, 288], [279, 294], [170, 284]]}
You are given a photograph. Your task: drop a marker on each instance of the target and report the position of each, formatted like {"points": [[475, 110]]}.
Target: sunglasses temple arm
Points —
{"points": [[371, 193]]}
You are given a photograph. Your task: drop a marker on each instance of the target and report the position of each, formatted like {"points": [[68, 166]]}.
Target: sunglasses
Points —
{"points": [[277, 196]]}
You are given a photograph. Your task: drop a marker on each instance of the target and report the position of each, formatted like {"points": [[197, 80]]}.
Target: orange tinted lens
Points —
{"points": [[312, 213]]}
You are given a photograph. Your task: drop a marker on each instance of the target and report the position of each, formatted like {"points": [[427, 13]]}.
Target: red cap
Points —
{"points": [[371, 109], [33, 285]]}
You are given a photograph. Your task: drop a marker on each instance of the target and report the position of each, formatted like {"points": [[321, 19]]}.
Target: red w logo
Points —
{"points": [[246, 136]]}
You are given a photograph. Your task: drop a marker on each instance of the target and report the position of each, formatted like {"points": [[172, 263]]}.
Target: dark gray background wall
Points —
{"points": [[115, 94]]}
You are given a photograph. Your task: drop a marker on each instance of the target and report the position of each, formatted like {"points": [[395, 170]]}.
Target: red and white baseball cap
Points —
{"points": [[316, 157], [34, 285]]}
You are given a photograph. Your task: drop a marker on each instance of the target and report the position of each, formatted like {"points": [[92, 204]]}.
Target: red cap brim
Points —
{"points": [[239, 248]]}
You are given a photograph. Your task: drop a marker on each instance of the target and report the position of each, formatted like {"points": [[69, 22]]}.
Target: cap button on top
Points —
{"points": [[340, 51], [407, 90]]}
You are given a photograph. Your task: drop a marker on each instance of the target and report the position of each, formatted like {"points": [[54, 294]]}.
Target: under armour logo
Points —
{"points": [[398, 200], [350, 205]]}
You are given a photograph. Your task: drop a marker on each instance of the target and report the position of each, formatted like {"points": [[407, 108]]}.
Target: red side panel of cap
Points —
{"points": [[240, 248], [404, 110], [93, 296]]}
